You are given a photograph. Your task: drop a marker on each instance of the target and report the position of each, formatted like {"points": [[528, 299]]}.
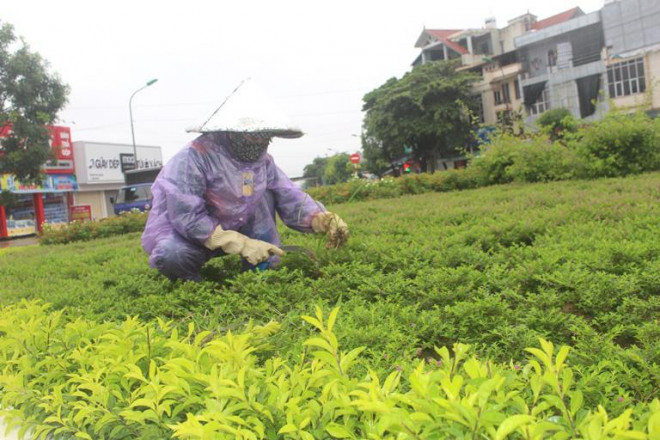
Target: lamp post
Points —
{"points": [[130, 112]]}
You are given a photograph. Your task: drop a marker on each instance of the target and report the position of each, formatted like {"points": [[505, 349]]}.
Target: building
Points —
{"points": [[51, 200], [562, 65], [632, 53], [101, 172], [488, 51], [581, 62]]}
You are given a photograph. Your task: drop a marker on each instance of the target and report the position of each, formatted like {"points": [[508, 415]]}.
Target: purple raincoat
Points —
{"points": [[202, 187]]}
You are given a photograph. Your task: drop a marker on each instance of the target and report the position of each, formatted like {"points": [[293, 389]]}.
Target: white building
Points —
{"points": [[99, 170]]}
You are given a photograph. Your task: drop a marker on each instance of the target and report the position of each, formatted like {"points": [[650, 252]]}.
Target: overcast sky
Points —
{"points": [[316, 59]]}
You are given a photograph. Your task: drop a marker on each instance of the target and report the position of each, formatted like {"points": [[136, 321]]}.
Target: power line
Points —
{"points": [[182, 104]]}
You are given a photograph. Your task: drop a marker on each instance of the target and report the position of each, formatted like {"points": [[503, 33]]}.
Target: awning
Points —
{"points": [[52, 183], [588, 88], [533, 92]]}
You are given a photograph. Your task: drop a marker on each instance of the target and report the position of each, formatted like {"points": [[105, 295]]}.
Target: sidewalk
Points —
{"points": [[21, 241]]}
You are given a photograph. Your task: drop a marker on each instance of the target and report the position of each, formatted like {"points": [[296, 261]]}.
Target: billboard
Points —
{"points": [[60, 142], [51, 183], [104, 163]]}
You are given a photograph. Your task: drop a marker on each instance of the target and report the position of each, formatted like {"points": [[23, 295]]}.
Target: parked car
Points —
{"points": [[132, 197]]}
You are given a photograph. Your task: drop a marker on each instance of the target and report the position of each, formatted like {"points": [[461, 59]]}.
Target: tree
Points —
{"points": [[338, 169], [329, 170], [429, 110], [316, 170], [30, 98]]}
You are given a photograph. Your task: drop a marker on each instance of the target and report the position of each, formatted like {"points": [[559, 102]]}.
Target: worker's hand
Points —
{"points": [[333, 226], [258, 251], [232, 242]]}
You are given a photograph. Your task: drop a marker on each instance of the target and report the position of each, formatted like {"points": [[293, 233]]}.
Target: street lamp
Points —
{"points": [[130, 112]]}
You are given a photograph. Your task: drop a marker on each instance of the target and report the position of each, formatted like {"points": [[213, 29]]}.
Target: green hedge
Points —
{"points": [[619, 145], [574, 262], [124, 223], [64, 378]]}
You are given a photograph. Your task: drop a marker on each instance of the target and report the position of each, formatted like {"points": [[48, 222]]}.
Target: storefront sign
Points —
{"points": [[104, 163], [60, 142], [127, 162], [51, 183], [80, 213], [16, 228]]}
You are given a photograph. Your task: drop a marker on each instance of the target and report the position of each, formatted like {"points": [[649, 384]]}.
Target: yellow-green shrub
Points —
{"points": [[61, 377]]}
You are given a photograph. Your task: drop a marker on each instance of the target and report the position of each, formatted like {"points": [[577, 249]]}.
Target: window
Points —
{"points": [[552, 57], [497, 94], [542, 104], [506, 95], [626, 78], [516, 88], [134, 193], [503, 95]]}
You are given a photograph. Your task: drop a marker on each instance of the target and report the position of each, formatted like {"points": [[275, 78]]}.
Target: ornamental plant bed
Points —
{"points": [[576, 263]]}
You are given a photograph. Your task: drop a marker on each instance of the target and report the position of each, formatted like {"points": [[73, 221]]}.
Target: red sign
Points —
{"points": [[60, 143], [355, 157], [80, 213]]}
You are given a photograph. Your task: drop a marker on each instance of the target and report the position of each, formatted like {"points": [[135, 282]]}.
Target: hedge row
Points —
{"points": [[575, 262], [64, 378], [617, 146]]}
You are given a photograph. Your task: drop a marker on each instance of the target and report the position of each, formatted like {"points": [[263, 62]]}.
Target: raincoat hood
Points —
{"points": [[249, 110]]}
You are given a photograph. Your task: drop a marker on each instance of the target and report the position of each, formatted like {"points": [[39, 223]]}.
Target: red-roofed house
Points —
{"points": [[556, 19]]}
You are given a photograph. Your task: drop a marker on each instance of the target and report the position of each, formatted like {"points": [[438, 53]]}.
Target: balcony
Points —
{"points": [[494, 74]]}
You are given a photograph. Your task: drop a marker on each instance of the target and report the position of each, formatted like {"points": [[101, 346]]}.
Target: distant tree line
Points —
{"points": [[425, 115]]}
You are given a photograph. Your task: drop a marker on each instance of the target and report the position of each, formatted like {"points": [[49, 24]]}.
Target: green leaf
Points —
{"points": [[542, 356], [321, 343], [306, 435], [576, 402], [338, 431], [288, 428], [315, 322], [347, 359], [511, 424], [654, 425], [561, 357], [332, 318]]}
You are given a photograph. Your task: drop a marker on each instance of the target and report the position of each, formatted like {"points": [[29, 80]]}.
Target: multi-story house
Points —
{"points": [[488, 49], [561, 61], [632, 53], [581, 62]]}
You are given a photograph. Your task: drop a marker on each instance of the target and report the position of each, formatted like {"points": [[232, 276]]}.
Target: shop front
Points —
{"points": [[31, 205]]}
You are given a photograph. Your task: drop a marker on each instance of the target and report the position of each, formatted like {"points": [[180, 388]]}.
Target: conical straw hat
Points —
{"points": [[249, 110]]}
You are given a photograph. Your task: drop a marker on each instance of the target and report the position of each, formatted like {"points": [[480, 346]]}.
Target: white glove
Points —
{"points": [[232, 242], [331, 224]]}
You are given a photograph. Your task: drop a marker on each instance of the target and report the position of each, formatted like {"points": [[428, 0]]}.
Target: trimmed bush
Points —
{"points": [[535, 159], [63, 378], [619, 145], [124, 223]]}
